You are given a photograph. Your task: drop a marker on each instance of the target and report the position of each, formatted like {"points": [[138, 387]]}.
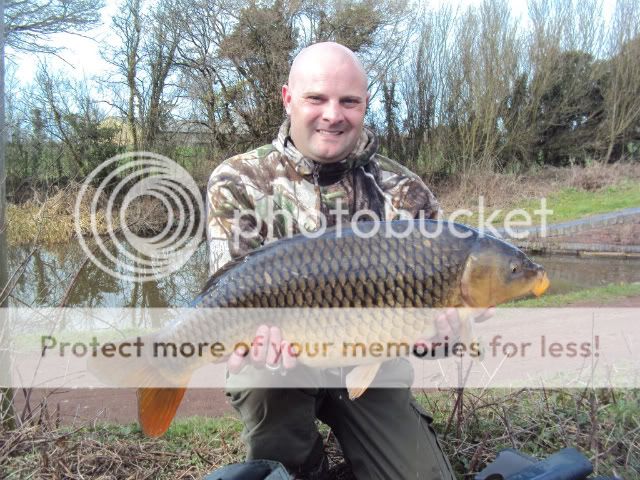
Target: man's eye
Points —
{"points": [[314, 99]]}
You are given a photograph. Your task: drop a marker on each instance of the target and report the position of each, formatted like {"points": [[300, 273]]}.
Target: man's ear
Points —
{"points": [[286, 98]]}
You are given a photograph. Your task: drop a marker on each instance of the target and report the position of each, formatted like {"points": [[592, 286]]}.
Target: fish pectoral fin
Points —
{"points": [[466, 315], [359, 379], [157, 407]]}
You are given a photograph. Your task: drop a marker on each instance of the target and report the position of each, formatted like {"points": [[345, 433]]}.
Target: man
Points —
{"points": [[322, 155]]}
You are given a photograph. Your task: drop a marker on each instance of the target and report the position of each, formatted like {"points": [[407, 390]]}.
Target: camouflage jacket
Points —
{"points": [[274, 191]]}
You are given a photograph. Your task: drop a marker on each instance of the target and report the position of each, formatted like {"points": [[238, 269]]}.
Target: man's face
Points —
{"points": [[326, 103]]}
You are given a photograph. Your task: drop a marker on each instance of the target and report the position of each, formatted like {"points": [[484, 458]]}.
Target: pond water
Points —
{"points": [[51, 275], [571, 272]]}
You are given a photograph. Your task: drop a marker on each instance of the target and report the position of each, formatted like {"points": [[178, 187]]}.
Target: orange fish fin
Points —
{"points": [[157, 407], [359, 379], [158, 397]]}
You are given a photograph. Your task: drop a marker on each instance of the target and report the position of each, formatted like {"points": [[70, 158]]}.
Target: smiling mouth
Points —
{"points": [[330, 133]]}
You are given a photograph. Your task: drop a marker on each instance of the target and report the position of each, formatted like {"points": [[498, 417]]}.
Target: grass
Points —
{"points": [[567, 204], [603, 295], [572, 203], [473, 426]]}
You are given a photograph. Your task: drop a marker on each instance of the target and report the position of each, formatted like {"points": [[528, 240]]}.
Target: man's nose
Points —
{"points": [[332, 112]]}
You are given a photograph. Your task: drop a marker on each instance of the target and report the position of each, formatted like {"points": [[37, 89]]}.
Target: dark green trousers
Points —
{"points": [[384, 434]]}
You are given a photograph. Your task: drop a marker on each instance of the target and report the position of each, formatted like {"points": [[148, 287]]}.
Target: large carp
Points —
{"points": [[420, 264]]}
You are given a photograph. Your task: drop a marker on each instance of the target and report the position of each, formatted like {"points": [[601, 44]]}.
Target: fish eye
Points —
{"points": [[514, 267]]}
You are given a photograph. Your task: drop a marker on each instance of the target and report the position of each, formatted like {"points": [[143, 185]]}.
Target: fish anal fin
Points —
{"points": [[359, 379], [157, 407]]}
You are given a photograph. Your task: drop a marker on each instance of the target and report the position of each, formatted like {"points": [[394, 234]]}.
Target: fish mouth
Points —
{"points": [[541, 284]]}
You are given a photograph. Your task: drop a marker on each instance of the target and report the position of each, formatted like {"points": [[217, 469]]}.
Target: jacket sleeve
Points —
{"points": [[406, 195], [233, 229]]}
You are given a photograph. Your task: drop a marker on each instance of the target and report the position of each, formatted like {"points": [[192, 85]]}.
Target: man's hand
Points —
{"points": [[449, 327], [268, 349]]}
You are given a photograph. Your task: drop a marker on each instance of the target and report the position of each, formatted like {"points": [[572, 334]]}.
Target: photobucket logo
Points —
{"points": [[125, 180], [516, 224]]}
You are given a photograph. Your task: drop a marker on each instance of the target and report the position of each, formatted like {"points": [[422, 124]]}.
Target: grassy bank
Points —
{"points": [[474, 425], [572, 203], [571, 192], [566, 197], [602, 295]]}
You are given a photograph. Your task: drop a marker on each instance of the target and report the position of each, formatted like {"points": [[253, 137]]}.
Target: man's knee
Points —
{"points": [[280, 425]]}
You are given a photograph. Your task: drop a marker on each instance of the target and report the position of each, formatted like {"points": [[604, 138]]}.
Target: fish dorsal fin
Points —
{"points": [[157, 407], [359, 379], [215, 278]]}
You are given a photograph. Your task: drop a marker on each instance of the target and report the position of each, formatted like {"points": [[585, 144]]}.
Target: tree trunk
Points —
{"points": [[7, 414]]}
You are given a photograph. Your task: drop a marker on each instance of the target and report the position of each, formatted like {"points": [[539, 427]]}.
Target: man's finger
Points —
{"points": [[274, 350], [289, 355], [442, 324], [237, 360], [260, 346], [485, 315]]}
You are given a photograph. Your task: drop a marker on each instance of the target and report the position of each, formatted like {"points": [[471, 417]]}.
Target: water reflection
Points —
{"points": [[62, 272]]}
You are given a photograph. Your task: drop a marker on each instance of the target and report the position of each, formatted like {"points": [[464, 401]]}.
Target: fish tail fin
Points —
{"points": [[160, 391], [157, 407]]}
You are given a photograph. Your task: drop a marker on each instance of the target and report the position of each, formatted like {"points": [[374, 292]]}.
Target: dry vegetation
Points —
{"points": [[51, 220], [474, 425]]}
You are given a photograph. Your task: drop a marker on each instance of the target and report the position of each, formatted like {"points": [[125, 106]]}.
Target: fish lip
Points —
{"points": [[541, 285]]}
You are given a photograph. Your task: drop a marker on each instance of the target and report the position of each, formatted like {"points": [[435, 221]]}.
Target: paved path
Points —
{"points": [[574, 236], [85, 406]]}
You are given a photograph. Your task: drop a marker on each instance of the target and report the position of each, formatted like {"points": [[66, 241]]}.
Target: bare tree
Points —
{"points": [[207, 79], [125, 57], [27, 25], [144, 60], [564, 86], [622, 81], [30, 23], [7, 414], [74, 121], [425, 90]]}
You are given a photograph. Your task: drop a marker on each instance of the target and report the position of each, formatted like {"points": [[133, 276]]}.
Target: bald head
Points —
{"points": [[326, 100], [325, 55]]}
